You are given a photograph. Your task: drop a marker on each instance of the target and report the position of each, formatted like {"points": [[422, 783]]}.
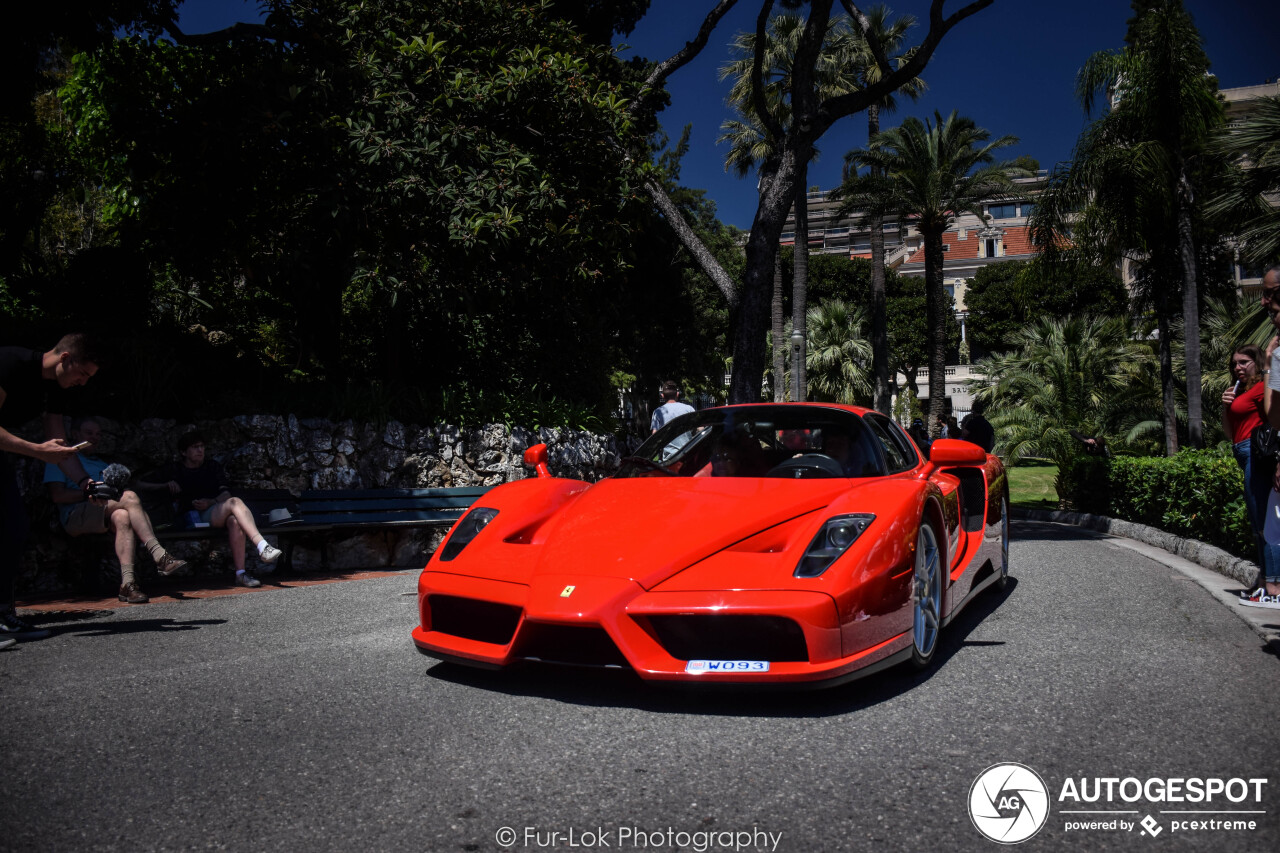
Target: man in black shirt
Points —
{"points": [[978, 429], [34, 383], [199, 486]]}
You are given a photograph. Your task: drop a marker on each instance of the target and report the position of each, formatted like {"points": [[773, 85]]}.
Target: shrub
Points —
{"points": [[1197, 494]]}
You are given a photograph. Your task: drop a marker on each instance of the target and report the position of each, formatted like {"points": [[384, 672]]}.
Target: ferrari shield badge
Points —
{"points": [[567, 591]]}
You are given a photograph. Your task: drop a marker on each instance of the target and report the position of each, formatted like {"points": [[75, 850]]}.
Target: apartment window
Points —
{"points": [[1002, 211], [1028, 209], [991, 247]]}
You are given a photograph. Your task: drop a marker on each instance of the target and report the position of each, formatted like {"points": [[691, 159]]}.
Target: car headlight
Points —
{"points": [[833, 539], [470, 526]]}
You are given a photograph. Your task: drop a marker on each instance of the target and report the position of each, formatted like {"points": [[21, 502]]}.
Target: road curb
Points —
{"points": [[1210, 557]]}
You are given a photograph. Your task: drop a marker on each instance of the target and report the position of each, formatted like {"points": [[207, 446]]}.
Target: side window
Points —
{"points": [[897, 450]]}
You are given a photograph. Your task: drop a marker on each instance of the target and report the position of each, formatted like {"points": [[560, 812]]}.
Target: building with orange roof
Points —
{"points": [[968, 245]]}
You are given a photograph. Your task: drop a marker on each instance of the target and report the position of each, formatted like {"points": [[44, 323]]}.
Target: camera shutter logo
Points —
{"points": [[1008, 803]]}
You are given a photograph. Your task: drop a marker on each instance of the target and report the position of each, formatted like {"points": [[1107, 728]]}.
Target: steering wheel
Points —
{"points": [[807, 466]]}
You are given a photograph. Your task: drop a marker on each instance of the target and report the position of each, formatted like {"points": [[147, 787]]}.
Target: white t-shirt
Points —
{"points": [[668, 411]]}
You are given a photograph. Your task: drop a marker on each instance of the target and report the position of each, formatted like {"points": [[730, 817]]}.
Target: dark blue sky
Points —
{"points": [[1011, 68]]}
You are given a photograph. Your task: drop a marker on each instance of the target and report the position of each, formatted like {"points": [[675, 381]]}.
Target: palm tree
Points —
{"points": [[1254, 142], [1130, 187], [839, 355], [792, 145], [750, 143], [1075, 373], [888, 37], [930, 173]]}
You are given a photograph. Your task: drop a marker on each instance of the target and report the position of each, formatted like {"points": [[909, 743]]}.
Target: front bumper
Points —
{"points": [[614, 622]]}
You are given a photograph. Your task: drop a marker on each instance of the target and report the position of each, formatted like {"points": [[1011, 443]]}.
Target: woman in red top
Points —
{"points": [[1242, 410]]}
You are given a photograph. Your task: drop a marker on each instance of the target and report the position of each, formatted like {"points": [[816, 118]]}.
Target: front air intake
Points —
{"points": [[573, 645], [484, 621], [730, 637]]}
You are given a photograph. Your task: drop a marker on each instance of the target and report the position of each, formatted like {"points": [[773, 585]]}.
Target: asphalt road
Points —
{"points": [[303, 719]]}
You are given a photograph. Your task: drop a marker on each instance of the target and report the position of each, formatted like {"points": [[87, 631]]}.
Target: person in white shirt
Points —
{"points": [[670, 409]]}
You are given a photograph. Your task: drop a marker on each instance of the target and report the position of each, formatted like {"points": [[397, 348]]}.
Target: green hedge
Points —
{"points": [[1198, 494]]}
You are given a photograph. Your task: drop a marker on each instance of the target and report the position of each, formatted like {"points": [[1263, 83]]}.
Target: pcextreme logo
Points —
{"points": [[1008, 803]]}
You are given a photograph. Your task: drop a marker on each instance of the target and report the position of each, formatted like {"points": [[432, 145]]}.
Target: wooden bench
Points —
{"points": [[323, 510], [260, 502]]}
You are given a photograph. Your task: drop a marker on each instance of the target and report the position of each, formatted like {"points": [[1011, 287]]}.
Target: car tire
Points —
{"points": [[926, 594], [1004, 543]]}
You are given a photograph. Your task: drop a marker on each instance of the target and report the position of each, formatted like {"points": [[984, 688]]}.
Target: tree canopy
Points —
{"points": [[1132, 187], [1003, 298], [417, 199], [438, 195], [930, 172]]}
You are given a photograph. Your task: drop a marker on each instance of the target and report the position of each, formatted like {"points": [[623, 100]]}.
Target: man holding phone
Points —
{"points": [[34, 383]]}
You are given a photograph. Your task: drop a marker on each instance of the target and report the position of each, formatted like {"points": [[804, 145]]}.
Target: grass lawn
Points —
{"points": [[1031, 484]]}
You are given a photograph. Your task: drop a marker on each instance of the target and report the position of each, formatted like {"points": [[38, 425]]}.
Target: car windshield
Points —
{"points": [[796, 442]]}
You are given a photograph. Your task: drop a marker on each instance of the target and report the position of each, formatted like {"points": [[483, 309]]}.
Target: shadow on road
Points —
{"points": [[1048, 531], [137, 626], [48, 618], [623, 688]]}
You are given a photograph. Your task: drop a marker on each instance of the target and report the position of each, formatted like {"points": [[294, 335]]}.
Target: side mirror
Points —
{"points": [[953, 451], [536, 457]]}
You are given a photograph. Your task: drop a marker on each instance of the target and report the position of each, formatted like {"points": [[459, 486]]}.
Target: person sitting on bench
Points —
{"points": [[199, 485], [81, 513]]}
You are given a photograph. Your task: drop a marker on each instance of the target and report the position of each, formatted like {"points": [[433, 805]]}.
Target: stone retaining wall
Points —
{"points": [[1211, 557], [274, 452]]}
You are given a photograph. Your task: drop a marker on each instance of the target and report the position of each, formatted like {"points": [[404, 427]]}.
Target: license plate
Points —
{"points": [[700, 666]]}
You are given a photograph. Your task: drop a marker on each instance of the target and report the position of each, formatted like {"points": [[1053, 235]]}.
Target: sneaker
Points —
{"points": [[13, 628], [4, 644], [131, 593], [246, 579], [169, 564], [269, 554], [1262, 590], [1260, 598]]}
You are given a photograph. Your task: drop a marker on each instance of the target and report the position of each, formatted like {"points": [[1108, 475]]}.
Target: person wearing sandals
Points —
{"points": [[199, 485], [81, 513]]}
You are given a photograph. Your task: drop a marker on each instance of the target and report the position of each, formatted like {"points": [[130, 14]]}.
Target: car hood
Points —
{"points": [[648, 529]]}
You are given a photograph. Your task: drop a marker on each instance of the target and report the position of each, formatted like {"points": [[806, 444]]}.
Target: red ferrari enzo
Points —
{"points": [[770, 543]]}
